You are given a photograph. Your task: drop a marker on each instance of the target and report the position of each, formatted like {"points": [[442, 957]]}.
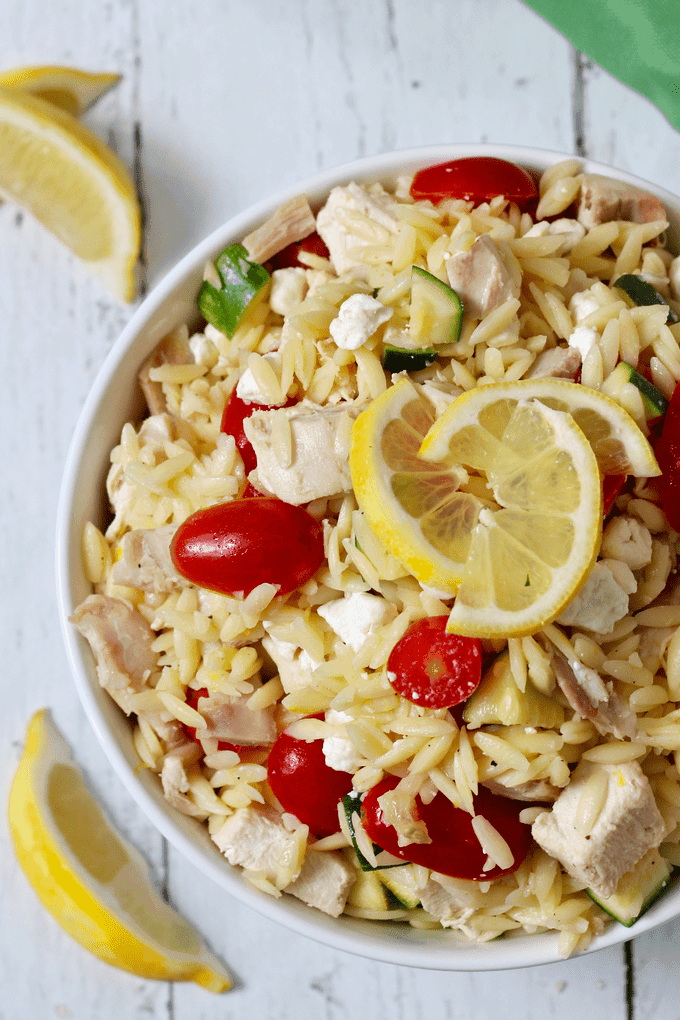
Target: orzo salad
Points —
{"points": [[389, 590]]}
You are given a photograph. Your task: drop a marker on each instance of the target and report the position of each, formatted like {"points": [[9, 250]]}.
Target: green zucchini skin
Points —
{"points": [[654, 402], [241, 280], [351, 802], [399, 359], [641, 292], [436, 309]]}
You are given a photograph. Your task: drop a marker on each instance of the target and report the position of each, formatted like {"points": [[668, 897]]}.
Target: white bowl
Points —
{"points": [[115, 399]]}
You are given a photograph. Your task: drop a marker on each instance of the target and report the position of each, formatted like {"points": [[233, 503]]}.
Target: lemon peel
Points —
{"points": [[74, 184], [69, 88], [95, 883]]}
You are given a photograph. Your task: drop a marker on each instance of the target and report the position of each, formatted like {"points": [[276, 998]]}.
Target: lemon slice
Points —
{"points": [[617, 442], [67, 87], [93, 882], [74, 184]]}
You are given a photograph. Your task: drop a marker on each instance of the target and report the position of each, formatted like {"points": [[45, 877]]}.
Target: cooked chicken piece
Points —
{"points": [[146, 562], [172, 350], [604, 199], [629, 824], [480, 278], [592, 698], [319, 463], [453, 904], [654, 643], [349, 218], [229, 718], [176, 786], [534, 791], [626, 539], [600, 603], [356, 615], [291, 222], [324, 881], [558, 363], [120, 639]]}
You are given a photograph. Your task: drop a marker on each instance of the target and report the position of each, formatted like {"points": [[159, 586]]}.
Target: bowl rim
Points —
{"points": [[374, 940]]}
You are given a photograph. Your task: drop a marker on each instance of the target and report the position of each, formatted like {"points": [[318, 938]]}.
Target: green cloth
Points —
{"points": [[638, 41]]}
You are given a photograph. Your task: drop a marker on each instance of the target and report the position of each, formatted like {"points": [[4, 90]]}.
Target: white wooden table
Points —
{"points": [[222, 103]]}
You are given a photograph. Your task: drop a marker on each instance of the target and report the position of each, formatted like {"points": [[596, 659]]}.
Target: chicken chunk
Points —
{"points": [[629, 824], [600, 603], [592, 698], [558, 363], [291, 222], [604, 199], [355, 616], [480, 278], [324, 882], [146, 562], [626, 539], [319, 464], [120, 639], [229, 718], [352, 219], [453, 903], [534, 791], [172, 350], [255, 838], [175, 784]]}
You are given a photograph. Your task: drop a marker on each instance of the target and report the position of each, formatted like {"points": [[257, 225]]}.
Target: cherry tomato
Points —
{"points": [[305, 785], [455, 849], [611, 488], [667, 451], [477, 179], [288, 256], [233, 416], [192, 701], [432, 668], [233, 547]]}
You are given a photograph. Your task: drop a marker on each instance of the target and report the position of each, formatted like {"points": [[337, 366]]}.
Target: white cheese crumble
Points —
{"points": [[358, 319]]}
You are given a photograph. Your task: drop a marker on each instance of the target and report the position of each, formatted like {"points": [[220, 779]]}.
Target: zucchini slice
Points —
{"points": [[436, 310], [641, 292], [654, 402], [498, 701], [638, 889], [400, 359], [368, 892], [351, 802], [401, 882], [242, 280]]}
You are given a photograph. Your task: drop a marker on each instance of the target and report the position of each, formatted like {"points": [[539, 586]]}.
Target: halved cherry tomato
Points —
{"points": [[234, 414], [288, 256], [455, 849], [305, 785], [233, 547], [611, 488], [432, 668], [192, 701], [667, 451], [477, 179]]}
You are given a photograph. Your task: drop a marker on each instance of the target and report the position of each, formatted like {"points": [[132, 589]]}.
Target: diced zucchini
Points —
{"points": [[368, 892], [351, 802], [436, 310], [400, 359], [641, 292], [242, 280], [654, 402], [637, 890], [498, 701], [401, 882]]}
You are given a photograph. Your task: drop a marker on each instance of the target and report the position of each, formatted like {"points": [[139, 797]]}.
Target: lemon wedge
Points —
{"points": [[92, 881], [66, 177], [67, 87]]}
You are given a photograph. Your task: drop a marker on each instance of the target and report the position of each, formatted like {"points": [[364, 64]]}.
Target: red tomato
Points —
{"points": [[455, 849], [432, 668], [192, 701], [305, 785], [233, 416], [611, 488], [667, 451], [232, 547], [477, 179], [288, 256]]}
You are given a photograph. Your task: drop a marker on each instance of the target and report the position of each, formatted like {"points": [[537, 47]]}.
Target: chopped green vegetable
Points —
{"points": [[241, 280], [436, 309], [401, 882], [654, 402], [400, 359], [642, 293], [637, 890], [351, 802], [498, 700]]}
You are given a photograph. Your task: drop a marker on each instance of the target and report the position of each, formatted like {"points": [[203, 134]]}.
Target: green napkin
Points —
{"points": [[638, 41]]}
